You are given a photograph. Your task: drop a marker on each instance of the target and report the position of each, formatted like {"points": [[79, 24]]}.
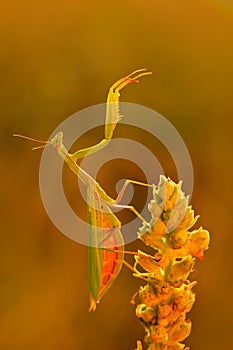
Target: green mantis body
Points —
{"points": [[104, 265], [103, 225], [103, 229]]}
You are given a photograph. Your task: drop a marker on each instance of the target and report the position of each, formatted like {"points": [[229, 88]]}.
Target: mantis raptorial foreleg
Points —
{"points": [[112, 113], [112, 118]]}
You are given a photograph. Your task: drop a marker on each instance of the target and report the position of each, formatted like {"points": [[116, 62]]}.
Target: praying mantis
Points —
{"points": [[104, 263]]}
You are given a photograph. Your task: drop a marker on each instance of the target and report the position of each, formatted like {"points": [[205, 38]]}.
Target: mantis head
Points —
{"points": [[56, 141]]}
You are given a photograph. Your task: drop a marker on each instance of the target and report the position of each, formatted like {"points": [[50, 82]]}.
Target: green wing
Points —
{"points": [[105, 264]]}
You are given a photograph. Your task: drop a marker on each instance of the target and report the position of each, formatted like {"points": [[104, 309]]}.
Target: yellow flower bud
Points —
{"points": [[149, 264], [180, 270], [161, 259], [188, 219], [158, 334], [151, 238], [179, 331], [155, 209], [172, 192], [183, 297], [145, 313], [177, 239], [148, 295], [199, 242], [164, 311]]}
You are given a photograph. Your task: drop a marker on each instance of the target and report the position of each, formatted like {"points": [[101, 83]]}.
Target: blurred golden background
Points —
{"points": [[58, 57]]}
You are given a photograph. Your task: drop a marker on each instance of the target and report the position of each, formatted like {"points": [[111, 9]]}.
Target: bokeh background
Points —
{"points": [[58, 57]]}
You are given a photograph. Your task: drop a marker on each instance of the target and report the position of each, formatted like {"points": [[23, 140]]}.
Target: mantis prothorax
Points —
{"points": [[103, 225]]}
